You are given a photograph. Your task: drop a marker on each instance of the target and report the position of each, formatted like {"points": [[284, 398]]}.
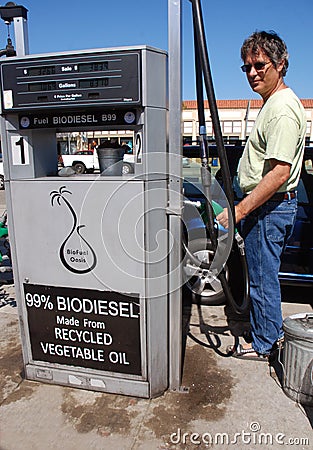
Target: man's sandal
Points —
{"points": [[246, 353]]}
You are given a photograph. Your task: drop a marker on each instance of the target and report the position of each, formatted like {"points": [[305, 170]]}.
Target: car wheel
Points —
{"points": [[127, 168], [204, 290], [1, 182], [79, 167]]}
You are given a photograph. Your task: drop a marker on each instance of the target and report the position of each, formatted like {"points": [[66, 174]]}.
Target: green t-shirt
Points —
{"points": [[278, 133]]}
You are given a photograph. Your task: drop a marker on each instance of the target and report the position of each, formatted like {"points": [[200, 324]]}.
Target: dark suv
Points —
{"points": [[297, 259]]}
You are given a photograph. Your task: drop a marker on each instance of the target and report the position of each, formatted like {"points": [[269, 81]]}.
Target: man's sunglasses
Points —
{"points": [[258, 66]]}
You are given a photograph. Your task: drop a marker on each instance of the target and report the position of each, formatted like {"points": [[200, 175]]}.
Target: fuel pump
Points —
{"points": [[90, 252]]}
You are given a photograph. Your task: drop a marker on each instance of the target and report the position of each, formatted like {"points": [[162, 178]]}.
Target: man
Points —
{"points": [[268, 173]]}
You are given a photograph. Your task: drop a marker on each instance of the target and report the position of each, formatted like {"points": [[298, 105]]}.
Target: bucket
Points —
{"points": [[298, 358], [110, 161]]}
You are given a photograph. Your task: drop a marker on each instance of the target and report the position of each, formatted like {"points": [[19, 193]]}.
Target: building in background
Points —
{"points": [[236, 117]]}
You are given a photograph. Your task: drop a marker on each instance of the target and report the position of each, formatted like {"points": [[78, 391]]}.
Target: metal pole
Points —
{"points": [[175, 192], [21, 36], [246, 120]]}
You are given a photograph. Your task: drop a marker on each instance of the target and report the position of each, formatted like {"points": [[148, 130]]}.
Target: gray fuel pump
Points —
{"points": [[97, 277]]}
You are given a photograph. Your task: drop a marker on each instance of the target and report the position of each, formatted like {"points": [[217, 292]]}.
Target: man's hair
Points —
{"points": [[271, 44]]}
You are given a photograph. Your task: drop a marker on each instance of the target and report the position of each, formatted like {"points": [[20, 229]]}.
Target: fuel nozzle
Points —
{"points": [[9, 49]]}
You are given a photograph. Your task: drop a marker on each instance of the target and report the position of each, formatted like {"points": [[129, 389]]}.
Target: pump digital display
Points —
{"points": [[94, 67], [84, 79], [87, 83], [39, 87], [94, 83], [39, 71]]}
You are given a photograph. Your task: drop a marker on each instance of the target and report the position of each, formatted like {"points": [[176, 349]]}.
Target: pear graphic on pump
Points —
{"points": [[76, 253]]}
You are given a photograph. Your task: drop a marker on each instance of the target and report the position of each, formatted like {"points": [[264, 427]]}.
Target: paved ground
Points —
{"points": [[225, 396], [242, 399]]}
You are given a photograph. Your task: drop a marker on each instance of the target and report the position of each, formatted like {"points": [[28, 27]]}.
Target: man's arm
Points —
{"points": [[268, 186]]}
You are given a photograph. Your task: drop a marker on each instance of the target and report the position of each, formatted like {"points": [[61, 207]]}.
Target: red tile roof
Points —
{"points": [[307, 102], [238, 104]]}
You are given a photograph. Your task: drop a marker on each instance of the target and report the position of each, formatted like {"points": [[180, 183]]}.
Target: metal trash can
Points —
{"points": [[298, 358], [110, 161]]}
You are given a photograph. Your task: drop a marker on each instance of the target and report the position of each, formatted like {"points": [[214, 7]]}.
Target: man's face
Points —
{"points": [[262, 76]]}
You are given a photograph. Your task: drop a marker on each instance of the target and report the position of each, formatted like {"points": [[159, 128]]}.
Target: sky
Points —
{"points": [[62, 25]]}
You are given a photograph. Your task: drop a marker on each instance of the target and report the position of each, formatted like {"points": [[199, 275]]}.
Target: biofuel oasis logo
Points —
{"points": [[76, 253]]}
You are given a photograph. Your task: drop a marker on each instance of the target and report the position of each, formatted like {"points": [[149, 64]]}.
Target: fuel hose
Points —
{"points": [[239, 299], [204, 153]]}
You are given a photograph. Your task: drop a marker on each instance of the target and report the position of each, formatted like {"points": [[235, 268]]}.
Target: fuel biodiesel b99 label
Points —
{"points": [[84, 327]]}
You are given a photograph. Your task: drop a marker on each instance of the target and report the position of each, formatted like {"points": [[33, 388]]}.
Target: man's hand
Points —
{"points": [[269, 184], [222, 218]]}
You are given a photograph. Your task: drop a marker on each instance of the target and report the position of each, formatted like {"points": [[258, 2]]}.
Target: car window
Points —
{"points": [[305, 187], [192, 165]]}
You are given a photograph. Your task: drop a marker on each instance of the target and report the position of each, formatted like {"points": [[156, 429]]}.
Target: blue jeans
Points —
{"points": [[266, 232]]}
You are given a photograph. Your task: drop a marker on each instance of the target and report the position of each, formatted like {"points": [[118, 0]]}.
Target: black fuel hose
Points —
{"points": [[207, 76], [201, 54], [204, 153]]}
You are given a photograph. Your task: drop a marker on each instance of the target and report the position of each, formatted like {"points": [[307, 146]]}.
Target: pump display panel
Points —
{"points": [[94, 79]]}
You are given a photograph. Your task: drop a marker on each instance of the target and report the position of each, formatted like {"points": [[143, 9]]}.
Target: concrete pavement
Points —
{"points": [[242, 399], [229, 403]]}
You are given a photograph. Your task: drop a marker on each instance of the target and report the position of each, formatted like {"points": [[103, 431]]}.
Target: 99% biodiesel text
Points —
{"points": [[38, 301]]}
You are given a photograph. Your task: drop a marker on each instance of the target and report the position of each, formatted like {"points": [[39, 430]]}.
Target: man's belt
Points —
{"points": [[280, 196]]}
